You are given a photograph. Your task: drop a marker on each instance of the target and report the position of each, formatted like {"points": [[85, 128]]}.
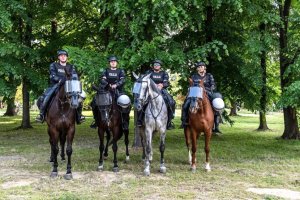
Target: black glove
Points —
{"points": [[62, 80]]}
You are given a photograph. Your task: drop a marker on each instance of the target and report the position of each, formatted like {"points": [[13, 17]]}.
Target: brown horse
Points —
{"points": [[109, 121], [201, 119], [60, 119]]}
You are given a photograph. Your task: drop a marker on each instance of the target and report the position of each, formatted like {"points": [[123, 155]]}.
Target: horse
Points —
{"points": [[145, 91], [109, 121], [60, 119], [201, 119]]}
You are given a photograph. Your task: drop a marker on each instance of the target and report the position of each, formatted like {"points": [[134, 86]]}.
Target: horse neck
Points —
{"points": [[61, 99], [154, 95]]}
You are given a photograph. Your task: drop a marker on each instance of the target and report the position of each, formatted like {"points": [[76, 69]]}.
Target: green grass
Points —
{"points": [[241, 158]]}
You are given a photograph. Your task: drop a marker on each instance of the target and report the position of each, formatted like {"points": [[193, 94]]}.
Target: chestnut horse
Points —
{"points": [[60, 119], [109, 121], [201, 119]]}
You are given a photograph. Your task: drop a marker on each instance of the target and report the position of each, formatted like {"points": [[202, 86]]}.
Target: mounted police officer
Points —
{"points": [[57, 79], [210, 86], [113, 78], [161, 79]]}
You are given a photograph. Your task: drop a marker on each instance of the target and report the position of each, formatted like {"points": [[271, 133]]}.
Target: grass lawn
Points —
{"points": [[241, 158]]}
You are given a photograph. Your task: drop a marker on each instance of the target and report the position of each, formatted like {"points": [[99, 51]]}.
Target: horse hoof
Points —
{"points": [[163, 170], [193, 169], [147, 172], [100, 168], [68, 176], [54, 174], [207, 167], [115, 169], [127, 159]]}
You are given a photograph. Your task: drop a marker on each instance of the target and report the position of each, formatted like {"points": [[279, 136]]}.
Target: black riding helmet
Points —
{"points": [[200, 63], [156, 61], [112, 58], [62, 52]]}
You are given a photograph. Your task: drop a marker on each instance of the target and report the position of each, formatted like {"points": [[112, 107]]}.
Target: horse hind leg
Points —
{"points": [[126, 140], [115, 149]]}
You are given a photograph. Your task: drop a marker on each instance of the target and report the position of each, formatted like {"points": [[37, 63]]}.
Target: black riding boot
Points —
{"points": [[41, 105], [170, 124], [216, 124], [183, 119], [125, 121], [95, 114], [184, 113], [79, 117], [140, 117]]}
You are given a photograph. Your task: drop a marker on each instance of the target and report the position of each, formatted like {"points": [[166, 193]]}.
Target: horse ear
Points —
{"points": [[135, 75], [191, 81]]}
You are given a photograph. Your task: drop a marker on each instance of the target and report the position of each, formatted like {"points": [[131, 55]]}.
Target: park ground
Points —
{"points": [[246, 164]]}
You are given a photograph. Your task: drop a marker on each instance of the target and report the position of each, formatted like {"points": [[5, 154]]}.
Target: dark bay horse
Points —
{"points": [[156, 117], [109, 121], [60, 119], [201, 119]]}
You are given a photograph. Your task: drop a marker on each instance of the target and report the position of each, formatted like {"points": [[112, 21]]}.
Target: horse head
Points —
{"points": [[73, 89], [195, 95], [141, 91]]}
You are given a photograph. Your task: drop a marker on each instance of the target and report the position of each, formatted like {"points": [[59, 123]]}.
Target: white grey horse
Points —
{"points": [[147, 94]]}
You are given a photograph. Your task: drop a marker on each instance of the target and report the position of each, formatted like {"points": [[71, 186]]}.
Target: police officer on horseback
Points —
{"points": [[113, 78], [57, 79], [161, 79], [210, 86]]}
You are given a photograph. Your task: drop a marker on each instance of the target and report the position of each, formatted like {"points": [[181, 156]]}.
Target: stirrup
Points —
{"points": [[170, 126], [40, 118], [93, 125]]}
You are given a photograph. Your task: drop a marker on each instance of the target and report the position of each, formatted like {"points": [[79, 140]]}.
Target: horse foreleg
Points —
{"points": [[115, 149], [101, 148], [62, 140], [194, 149], [126, 133], [108, 136], [162, 168], [187, 134], [148, 152], [69, 151], [54, 152], [207, 149]]}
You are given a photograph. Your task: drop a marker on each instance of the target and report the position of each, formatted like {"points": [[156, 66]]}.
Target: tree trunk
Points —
{"points": [[26, 113], [137, 138], [233, 109], [263, 99], [291, 128], [262, 122], [10, 109]]}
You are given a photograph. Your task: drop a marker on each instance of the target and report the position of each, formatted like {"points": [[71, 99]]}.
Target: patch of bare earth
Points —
{"points": [[282, 193]]}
